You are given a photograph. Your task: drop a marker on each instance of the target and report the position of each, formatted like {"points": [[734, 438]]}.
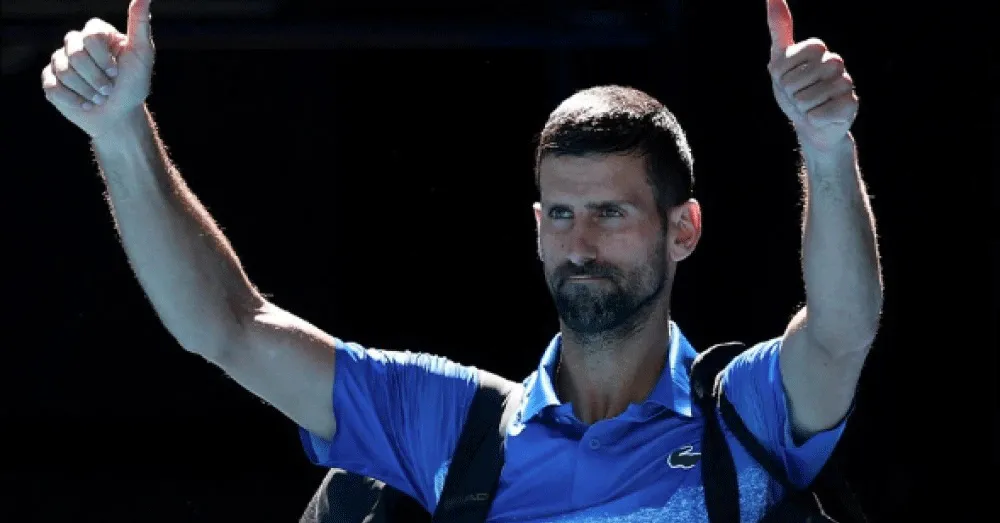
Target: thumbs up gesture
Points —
{"points": [[100, 75], [810, 83]]}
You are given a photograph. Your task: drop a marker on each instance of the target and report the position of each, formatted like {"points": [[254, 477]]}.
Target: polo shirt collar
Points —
{"points": [[672, 390]]}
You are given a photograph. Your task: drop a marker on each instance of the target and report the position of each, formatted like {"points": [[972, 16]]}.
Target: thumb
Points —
{"points": [[139, 34], [779, 24]]}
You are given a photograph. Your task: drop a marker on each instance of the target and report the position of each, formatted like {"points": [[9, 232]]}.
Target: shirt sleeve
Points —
{"points": [[398, 414], [752, 382]]}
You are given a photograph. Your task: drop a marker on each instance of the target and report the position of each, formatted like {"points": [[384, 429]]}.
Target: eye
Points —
{"points": [[560, 213], [612, 212]]}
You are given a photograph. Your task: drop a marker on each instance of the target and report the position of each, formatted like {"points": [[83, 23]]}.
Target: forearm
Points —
{"points": [[187, 268], [840, 259]]}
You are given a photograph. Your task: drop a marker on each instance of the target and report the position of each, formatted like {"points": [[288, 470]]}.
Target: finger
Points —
{"points": [[829, 67], [820, 93], [826, 97], [99, 37], [810, 50], [70, 79], [139, 34], [779, 23], [59, 95], [84, 65], [838, 111]]}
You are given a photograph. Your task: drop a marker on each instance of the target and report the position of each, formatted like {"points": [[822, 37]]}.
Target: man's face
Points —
{"points": [[602, 244]]}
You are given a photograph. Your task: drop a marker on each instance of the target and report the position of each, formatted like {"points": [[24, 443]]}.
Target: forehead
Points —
{"points": [[594, 177]]}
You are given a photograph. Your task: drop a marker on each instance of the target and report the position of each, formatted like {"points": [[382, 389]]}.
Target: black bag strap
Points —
{"points": [[718, 467], [347, 497], [751, 444], [830, 482], [474, 473], [718, 470]]}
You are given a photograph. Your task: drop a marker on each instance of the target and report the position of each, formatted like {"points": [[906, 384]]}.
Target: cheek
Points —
{"points": [[549, 245], [635, 257]]}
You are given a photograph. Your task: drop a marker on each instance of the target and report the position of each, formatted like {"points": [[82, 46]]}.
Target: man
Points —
{"points": [[606, 431]]}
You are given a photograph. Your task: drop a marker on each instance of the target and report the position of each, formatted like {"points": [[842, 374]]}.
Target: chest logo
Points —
{"points": [[683, 458]]}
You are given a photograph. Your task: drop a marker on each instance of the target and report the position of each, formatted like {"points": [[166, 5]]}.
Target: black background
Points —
{"points": [[384, 194]]}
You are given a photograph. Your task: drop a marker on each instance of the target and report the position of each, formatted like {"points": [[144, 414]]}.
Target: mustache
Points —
{"points": [[591, 269]]}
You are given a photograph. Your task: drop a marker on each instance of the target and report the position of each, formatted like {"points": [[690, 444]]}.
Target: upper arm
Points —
{"points": [[287, 362], [819, 385], [398, 414], [754, 383]]}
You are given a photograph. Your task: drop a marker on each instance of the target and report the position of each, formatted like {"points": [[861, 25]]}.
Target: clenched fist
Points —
{"points": [[100, 75]]}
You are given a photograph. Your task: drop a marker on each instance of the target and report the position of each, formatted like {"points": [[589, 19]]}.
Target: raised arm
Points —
{"points": [[826, 343], [99, 81]]}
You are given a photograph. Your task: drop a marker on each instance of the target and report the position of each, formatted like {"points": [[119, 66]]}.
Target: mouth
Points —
{"points": [[584, 278]]}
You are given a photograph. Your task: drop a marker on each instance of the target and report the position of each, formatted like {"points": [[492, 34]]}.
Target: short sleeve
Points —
{"points": [[752, 382], [399, 416]]}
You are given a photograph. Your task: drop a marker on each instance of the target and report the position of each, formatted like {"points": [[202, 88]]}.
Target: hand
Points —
{"points": [[100, 76], [810, 83]]}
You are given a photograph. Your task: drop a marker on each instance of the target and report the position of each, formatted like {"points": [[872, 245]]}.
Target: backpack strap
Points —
{"points": [[750, 443], [344, 496], [718, 470], [474, 472], [719, 479], [830, 484]]}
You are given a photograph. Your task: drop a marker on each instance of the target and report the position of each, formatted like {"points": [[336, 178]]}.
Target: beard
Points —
{"points": [[612, 305]]}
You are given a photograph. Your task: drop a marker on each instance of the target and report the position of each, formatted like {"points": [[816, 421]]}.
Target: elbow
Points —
{"points": [[212, 339], [871, 317], [844, 335]]}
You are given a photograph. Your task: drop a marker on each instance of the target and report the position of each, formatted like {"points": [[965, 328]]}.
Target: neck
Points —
{"points": [[602, 375]]}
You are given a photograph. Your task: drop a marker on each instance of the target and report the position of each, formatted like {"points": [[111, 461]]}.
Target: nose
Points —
{"points": [[582, 248]]}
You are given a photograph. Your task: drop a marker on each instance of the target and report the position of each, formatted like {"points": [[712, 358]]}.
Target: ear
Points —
{"points": [[537, 207], [683, 229]]}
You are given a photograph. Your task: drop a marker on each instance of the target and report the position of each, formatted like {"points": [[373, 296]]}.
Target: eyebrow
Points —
{"points": [[593, 206]]}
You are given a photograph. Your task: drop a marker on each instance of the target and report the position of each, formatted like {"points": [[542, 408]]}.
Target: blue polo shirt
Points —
{"points": [[399, 416]]}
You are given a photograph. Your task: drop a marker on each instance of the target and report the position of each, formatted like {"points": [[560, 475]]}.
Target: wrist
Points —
{"points": [[827, 157], [131, 128]]}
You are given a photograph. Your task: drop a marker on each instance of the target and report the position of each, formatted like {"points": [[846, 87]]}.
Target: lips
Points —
{"points": [[582, 279]]}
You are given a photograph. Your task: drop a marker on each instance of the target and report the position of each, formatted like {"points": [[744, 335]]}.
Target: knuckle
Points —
{"points": [[92, 40], [60, 74], [51, 92], [834, 62], [76, 56], [92, 24], [814, 44], [70, 36]]}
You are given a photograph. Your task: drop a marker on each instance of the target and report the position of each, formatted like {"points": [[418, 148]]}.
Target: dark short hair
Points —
{"points": [[612, 119]]}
